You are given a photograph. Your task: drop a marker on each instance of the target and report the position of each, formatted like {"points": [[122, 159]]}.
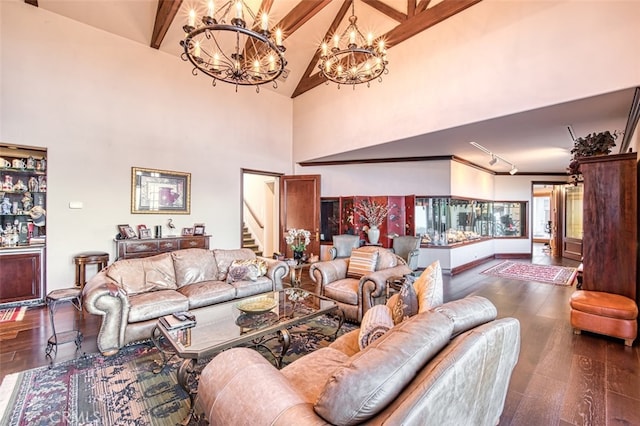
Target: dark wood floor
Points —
{"points": [[561, 378]]}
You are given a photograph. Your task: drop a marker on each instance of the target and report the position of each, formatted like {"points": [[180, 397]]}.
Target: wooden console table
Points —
{"points": [[132, 248]]}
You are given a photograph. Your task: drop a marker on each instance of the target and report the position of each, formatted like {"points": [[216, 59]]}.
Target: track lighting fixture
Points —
{"points": [[495, 158]]}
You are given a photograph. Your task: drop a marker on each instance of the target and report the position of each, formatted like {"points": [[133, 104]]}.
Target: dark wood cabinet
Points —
{"points": [[128, 249], [610, 223], [22, 275]]}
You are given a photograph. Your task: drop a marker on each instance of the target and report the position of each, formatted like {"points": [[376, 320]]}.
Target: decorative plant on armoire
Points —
{"points": [[589, 146]]}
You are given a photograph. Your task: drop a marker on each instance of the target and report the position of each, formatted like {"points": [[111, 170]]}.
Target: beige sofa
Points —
{"points": [[450, 365], [132, 294]]}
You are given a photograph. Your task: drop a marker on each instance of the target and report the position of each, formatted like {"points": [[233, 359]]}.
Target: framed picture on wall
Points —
{"points": [[160, 191]]}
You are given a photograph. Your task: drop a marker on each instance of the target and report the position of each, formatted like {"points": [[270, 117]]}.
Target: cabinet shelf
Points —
{"points": [[23, 171]]}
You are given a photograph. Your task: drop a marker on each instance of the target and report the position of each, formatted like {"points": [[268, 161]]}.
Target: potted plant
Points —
{"points": [[589, 146], [298, 240]]}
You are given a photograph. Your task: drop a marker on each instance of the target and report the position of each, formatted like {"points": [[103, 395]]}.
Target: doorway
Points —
{"points": [[260, 211]]}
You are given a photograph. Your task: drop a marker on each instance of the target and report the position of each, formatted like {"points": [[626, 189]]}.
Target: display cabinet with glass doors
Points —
{"points": [[448, 221]]}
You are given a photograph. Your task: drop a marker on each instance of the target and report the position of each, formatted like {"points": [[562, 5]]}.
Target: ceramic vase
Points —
{"points": [[374, 235], [297, 255]]}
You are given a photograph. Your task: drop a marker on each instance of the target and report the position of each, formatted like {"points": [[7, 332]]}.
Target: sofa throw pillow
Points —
{"points": [[248, 269], [406, 304], [375, 322], [361, 263], [429, 287]]}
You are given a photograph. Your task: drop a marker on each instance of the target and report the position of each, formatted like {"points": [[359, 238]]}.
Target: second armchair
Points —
{"points": [[358, 282]]}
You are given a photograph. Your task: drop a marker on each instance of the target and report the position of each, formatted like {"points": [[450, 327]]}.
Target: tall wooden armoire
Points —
{"points": [[610, 223]]}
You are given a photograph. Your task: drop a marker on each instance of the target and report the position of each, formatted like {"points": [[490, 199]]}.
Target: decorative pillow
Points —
{"points": [[361, 263], [406, 304], [375, 322], [429, 287], [249, 269]]}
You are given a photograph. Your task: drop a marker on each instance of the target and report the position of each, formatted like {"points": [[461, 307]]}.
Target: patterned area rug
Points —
{"points": [[558, 275], [121, 389], [12, 314]]}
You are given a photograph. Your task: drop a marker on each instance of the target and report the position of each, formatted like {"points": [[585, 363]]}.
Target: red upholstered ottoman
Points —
{"points": [[604, 313]]}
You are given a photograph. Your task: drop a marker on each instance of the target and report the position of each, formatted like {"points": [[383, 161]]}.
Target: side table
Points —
{"points": [[295, 272], [81, 260], [54, 299]]}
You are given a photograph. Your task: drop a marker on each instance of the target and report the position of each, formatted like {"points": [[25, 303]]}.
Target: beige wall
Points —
{"points": [[102, 104], [494, 59]]}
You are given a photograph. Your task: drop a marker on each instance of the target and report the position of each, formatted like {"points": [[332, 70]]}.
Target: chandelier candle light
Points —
{"points": [[374, 213], [231, 49], [352, 58]]}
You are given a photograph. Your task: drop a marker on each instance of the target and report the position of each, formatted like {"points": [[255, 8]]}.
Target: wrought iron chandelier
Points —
{"points": [[352, 58], [224, 48]]}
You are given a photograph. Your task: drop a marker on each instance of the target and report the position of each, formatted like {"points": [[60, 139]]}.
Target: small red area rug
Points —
{"points": [[558, 275], [12, 314]]}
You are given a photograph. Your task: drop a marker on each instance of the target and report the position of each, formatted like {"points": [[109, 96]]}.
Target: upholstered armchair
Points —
{"points": [[342, 245], [408, 248], [358, 282]]}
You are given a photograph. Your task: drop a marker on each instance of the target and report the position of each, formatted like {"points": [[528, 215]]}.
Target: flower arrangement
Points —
{"points": [[372, 211], [298, 239]]}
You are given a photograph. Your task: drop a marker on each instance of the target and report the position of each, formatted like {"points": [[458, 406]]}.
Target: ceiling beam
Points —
{"points": [[387, 10], [411, 7], [422, 5], [303, 12], [426, 19], [32, 2], [308, 81], [410, 27], [167, 10]]}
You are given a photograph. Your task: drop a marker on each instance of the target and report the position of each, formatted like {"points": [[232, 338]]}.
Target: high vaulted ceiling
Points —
{"points": [[536, 141], [158, 24]]}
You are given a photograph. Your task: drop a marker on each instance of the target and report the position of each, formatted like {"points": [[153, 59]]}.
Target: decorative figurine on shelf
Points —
{"points": [[42, 184], [33, 184], [8, 183], [31, 163], [27, 201], [20, 186], [5, 206], [171, 227]]}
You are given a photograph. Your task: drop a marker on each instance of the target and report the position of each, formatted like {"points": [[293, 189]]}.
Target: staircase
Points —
{"points": [[249, 242]]}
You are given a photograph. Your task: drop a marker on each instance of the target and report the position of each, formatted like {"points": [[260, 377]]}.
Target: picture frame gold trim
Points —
{"points": [[155, 191]]}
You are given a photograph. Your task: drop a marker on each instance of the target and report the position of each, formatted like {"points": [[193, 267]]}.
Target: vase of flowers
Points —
{"points": [[374, 213], [298, 240]]}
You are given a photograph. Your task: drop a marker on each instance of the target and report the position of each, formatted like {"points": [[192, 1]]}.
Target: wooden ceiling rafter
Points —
{"points": [[423, 18], [167, 11], [422, 6], [387, 10], [299, 15], [32, 2], [307, 77], [426, 19]]}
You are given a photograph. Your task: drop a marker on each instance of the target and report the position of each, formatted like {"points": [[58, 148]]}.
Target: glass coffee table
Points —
{"points": [[252, 321]]}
